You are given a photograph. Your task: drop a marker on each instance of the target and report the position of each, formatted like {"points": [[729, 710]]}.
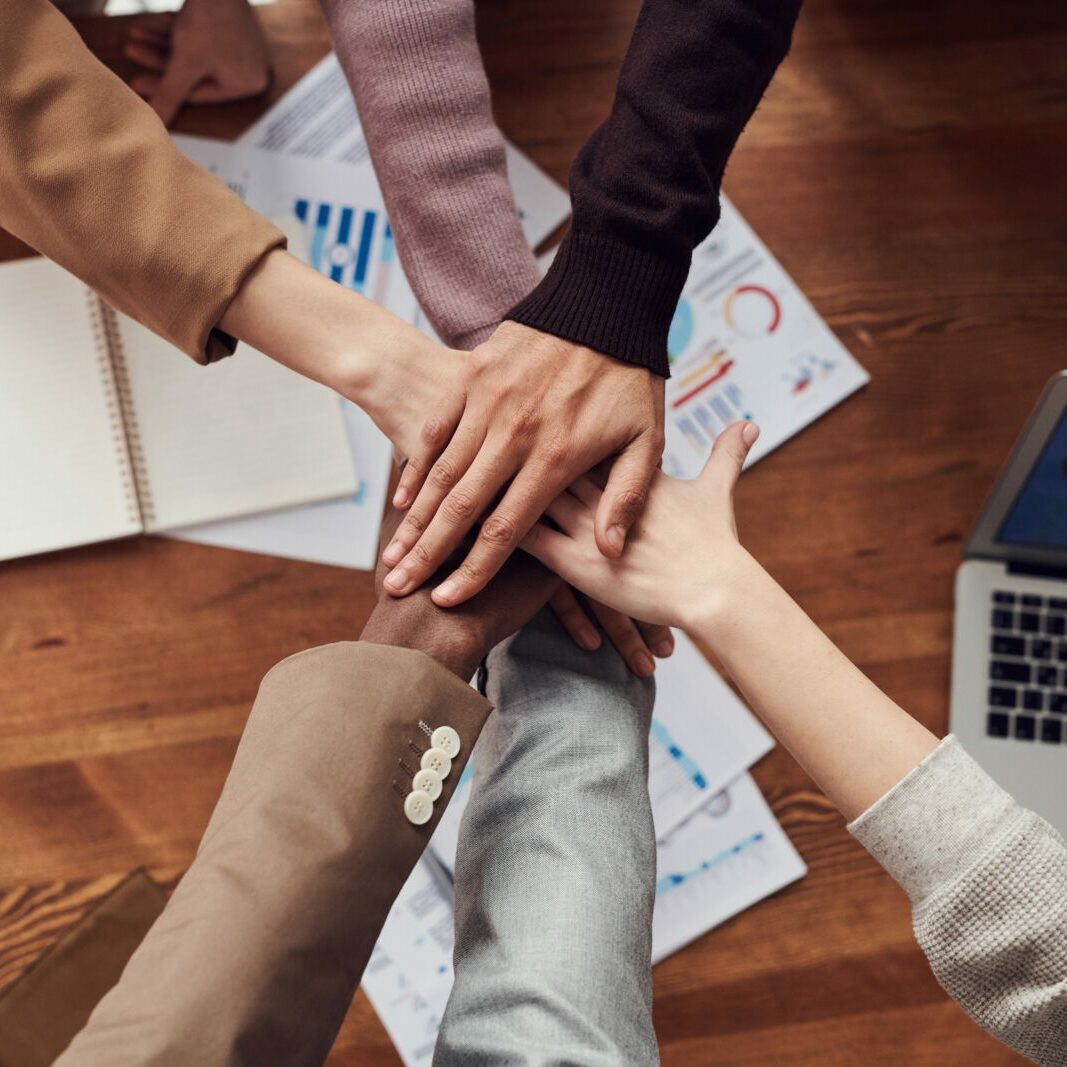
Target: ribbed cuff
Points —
{"points": [[936, 821], [607, 296]]}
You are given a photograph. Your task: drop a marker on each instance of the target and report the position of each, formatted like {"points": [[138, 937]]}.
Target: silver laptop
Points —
{"points": [[1009, 660]]}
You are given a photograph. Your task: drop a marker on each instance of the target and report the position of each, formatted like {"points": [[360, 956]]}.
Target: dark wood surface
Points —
{"points": [[908, 168]]}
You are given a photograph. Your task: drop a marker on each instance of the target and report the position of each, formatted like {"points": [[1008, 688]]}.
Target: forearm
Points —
{"points": [[89, 177], [423, 98], [645, 188], [316, 327], [843, 730], [258, 953]]}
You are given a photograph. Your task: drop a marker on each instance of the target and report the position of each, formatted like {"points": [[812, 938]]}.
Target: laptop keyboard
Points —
{"points": [[1028, 668]]}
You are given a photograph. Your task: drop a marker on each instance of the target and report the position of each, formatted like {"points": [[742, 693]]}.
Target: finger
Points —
{"points": [[624, 496], [575, 621], [587, 491], [523, 504], [728, 456], [156, 27], [174, 87], [555, 550], [569, 514], [460, 509], [434, 436], [147, 56], [449, 468], [658, 638], [623, 634]]}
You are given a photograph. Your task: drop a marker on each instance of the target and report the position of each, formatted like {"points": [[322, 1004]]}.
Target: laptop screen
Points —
{"points": [[1038, 517]]}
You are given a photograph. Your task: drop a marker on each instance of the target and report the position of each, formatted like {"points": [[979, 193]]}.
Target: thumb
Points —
{"points": [[624, 496], [728, 456], [174, 88]]}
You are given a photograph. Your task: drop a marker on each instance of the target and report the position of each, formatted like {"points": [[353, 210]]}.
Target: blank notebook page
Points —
{"points": [[63, 466], [239, 436]]}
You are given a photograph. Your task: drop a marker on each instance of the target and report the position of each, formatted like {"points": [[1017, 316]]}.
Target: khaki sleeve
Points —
{"points": [[89, 177], [259, 951]]}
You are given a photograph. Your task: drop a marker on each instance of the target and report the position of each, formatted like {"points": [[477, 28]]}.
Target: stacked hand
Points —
{"points": [[529, 414], [647, 581]]}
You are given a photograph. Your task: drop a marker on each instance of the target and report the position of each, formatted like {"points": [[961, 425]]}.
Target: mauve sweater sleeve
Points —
{"points": [[645, 188], [423, 98]]}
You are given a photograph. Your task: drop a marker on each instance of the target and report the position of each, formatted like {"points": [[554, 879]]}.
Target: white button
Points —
{"points": [[447, 740], [428, 782], [418, 807], [433, 759]]}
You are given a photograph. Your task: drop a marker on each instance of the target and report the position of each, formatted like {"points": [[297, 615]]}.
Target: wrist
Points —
{"points": [[715, 601], [454, 649]]}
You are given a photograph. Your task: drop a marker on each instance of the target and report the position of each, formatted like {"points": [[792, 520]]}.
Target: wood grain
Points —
{"points": [[907, 167]]}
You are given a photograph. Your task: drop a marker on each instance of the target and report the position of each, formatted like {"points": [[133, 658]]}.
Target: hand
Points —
{"points": [[636, 642], [460, 639], [536, 412], [211, 51], [681, 552]]}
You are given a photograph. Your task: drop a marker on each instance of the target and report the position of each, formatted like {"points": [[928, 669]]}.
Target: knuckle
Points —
{"points": [[420, 554], [471, 573], [524, 420], [444, 474], [500, 531], [411, 526], [434, 431], [459, 505], [630, 500], [554, 453]]}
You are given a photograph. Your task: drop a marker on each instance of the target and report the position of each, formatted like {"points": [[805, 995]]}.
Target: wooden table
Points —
{"points": [[907, 167]]}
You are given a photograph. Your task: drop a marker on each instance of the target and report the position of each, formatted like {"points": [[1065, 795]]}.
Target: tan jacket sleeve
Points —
{"points": [[260, 949], [89, 177]]}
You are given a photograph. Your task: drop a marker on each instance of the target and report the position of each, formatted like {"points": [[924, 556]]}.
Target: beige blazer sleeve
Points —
{"points": [[259, 951], [89, 177]]}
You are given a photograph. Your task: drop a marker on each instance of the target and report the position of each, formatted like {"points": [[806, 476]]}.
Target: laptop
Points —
{"points": [[1009, 659]]}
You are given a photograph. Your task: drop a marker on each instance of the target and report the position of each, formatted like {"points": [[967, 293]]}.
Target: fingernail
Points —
{"points": [[447, 590], [400, 498], [394, 553], [588, 639], [750, 433], [664, 648], [643, 665], [616, 537], [397, 580]]}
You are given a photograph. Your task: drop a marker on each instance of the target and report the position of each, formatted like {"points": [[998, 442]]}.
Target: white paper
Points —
{"points": [[317, 119], [729, 855], [746, 344], [409, 976], [702, 738]]}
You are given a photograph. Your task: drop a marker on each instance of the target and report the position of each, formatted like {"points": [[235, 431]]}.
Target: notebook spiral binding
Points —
{"points": [[121, 411]]}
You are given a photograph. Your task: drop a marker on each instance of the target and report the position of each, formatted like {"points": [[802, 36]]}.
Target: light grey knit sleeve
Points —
{"points": [[988, 886]]}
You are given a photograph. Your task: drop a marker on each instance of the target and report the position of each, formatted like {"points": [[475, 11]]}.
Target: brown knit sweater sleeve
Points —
{"points": [[645, 188], [89, 177]]}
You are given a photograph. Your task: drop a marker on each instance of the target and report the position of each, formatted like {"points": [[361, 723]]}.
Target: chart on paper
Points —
{"points": [[728, 855], [745, 343]]}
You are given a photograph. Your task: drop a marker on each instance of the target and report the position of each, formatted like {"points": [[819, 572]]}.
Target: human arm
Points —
{"points": [[426, 112], [539, 401], [987, 879], [258, 952]]}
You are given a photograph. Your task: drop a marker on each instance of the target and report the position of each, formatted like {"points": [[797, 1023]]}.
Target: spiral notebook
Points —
{"points": [[106, 430]]}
